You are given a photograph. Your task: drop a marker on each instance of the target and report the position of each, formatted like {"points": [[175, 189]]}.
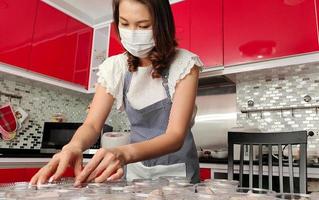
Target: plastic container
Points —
{"points": [[293, 196]]}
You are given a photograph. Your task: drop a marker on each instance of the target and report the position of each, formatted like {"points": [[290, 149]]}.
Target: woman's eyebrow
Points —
{"points": [[140, 21], [123, 18]]}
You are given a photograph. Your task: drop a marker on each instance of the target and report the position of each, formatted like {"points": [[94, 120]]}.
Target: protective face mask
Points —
{"points": [[138, 42]]}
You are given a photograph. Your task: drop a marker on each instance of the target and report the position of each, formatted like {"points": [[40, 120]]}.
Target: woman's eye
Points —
{"points": [[144, 27], [124, 24]]}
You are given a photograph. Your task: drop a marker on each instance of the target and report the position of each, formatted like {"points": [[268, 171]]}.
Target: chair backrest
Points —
{"points": [[269, 140]]}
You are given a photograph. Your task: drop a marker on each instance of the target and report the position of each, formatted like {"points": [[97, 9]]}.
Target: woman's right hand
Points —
{"points": [[71, 155]]}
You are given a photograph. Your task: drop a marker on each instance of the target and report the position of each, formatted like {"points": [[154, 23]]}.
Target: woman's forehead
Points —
{"points": [[133, 11]]}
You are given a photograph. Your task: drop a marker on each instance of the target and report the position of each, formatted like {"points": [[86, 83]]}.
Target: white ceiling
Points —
{"points": [[91, 12]]}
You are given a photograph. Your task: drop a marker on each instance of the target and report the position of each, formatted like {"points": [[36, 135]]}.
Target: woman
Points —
{"points": [[156, 84]]}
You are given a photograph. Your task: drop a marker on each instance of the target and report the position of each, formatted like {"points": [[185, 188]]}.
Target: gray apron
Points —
{"points": [[152, 121]]}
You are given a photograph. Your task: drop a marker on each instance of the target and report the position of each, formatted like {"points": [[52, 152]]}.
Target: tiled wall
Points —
{"points": [[281, 88], [41, 101]]}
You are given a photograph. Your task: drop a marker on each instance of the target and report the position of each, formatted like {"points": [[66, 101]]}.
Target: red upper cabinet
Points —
{"points": [[78, 51], [61, 46], [317, 11], [49, 43], [115, 46], [181, 13], [206, 31], [16, 28], [259, 30]]}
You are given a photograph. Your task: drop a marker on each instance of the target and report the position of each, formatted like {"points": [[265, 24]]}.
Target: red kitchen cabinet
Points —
{"points": [[61, 46], [24, 174], [78, 51], [260, 30], [49, 43], [181, 13], [204, 173], [16, 22], [206, 31], [115, 46], [317, 11]]}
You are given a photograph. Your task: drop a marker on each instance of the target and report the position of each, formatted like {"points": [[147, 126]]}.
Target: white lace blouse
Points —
{"points": [[143, 90]]}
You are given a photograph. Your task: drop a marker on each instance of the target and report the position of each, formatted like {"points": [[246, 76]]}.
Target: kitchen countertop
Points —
{"points": [[216, 165]]}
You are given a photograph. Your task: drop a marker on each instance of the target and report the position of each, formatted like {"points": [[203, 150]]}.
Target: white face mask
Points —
{"points": [[138, 42]]}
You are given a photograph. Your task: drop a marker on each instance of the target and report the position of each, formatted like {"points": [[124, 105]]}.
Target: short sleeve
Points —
{"points": [[181, 66], [111, 76]]}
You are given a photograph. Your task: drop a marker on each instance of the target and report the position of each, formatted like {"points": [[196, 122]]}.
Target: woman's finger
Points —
{"points": [[47, 171], [63, 164], [111, 168], [78, 166], [90, 167], [109, 158], [119, 173]]}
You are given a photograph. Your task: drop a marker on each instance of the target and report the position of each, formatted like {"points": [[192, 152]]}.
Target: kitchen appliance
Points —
{"points": [[56, 135]]}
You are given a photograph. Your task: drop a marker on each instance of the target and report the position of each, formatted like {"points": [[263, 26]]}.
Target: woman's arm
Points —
{"points": [[85, 136], [108, 162], [100, 108]]}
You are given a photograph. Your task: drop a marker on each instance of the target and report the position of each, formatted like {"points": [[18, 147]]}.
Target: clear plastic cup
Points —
{"points": [[222, 186], [175, 180], [292, 196]]}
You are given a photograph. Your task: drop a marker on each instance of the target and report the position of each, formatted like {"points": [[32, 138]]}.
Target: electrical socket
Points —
{"points": [[316, 133]]}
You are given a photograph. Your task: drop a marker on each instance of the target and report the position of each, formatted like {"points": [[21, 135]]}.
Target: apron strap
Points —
{"points": [[165, 83], [127, 82]]}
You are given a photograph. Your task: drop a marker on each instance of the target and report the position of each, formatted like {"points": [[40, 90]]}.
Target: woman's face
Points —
{"points": [[134, 15]]}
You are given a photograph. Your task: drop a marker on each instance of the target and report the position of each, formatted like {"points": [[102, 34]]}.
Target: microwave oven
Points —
{"points": [[58, 134]]}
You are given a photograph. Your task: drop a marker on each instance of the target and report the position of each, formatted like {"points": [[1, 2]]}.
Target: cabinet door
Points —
{"points": [[12, 175], [115, 46], [49, 43], [317, 11], [205, 173], [16, 22], [206, 31], [78, 51], [181, 13], [260, 30]]}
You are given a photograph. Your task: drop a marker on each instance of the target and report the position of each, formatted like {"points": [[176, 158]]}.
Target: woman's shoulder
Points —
{"points": [[181, 66], [116, 62], [184, 60], [184, 53]]}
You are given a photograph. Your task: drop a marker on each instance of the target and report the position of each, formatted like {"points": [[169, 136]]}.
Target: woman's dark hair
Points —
{"points": [[164, 35]]}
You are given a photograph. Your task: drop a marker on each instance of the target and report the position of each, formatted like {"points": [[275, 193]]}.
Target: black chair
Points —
{"points": [[269, 139]]}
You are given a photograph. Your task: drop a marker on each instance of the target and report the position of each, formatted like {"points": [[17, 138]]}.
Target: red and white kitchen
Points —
{"points": [[159, 99]]}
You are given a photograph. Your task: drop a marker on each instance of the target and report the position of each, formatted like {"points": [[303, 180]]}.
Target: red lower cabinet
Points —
{"points": [[205, 173], [24, 174]]}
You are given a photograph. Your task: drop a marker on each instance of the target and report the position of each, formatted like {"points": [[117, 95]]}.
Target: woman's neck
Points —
{"points": [[144, 62]]}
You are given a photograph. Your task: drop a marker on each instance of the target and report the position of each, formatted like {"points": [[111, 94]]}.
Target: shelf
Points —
{"points": [[292, 108]]}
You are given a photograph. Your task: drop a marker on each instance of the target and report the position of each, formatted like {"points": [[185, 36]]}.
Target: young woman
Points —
{"points": [[156, 84]]}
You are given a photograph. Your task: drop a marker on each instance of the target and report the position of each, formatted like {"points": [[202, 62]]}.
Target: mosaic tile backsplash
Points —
{"points": [[41, 102], [282, 87]]}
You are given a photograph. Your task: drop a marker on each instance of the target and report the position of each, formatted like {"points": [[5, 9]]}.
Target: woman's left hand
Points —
{"points": [[105, 165]]}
